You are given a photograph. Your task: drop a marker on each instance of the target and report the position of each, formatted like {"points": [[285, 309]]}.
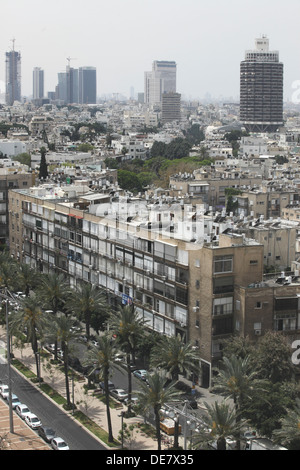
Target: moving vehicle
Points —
{"points": [[119, 394], [33, 421], [59, 444], [46, 433], [22, 410]]}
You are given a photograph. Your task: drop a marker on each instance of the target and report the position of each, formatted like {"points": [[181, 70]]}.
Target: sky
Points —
{"points": [[121, 38]]}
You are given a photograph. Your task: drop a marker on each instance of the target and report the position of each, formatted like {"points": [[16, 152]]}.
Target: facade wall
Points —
{"points": [[203, 293]]}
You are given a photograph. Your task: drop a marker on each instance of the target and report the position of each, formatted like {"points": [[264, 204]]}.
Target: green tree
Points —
{"points": [[86, 301], [154, 396], [220, 423], [43, 172], [289, 432], [54, 290], [23, 158], [30, 318], [8, 271], [127, 325], [129, 180], [27, 278], [102, 358], [61, 329], [175, 356], [237, 380], [273, 358]]}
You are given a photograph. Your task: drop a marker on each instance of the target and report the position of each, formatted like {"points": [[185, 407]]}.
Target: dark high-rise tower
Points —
{"points": [[87, 85], [13, 76], [261, 89]]}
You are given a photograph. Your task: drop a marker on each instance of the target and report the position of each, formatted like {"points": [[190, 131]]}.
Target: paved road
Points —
{"points": [[50, 414]]}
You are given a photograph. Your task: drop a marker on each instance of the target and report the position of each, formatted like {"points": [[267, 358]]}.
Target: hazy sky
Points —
{"points": [[122, 38]]}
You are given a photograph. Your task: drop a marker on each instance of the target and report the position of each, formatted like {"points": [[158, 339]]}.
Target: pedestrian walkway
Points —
{"points": [[22, 437], [91, 406]]}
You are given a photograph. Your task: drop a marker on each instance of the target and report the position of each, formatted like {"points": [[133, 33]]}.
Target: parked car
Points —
{"points": [[4, 391], [33, 421], [14, 400], [110, 385], [140, 374], [59, 444], [46, 433], [134, 401], [19, 295], [119, 394], [120, 358], [22, 410]]}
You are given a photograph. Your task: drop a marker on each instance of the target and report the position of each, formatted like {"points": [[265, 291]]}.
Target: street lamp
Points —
{"points": [[11, 421], [171, 414]]}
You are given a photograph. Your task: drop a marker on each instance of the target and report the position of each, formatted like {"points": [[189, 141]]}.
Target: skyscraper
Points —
{"points": [[162, 79], [87, 85], [261, 89], [13, 76], [170, 110], [38, 83]]}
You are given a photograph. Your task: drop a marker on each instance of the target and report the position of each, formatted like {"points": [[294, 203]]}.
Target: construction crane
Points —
{"points": [[69, 60]]}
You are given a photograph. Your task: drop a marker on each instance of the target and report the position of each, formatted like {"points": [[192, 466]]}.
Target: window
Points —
{"points": [[223, 264], [223, 306], [223, 284], [285, 322], [258, 305]]}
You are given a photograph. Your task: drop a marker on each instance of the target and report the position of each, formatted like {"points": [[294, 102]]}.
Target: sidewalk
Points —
{"points": [[91, 406]]}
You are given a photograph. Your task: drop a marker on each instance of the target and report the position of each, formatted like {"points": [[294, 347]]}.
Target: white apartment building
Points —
{"points": [[12, 148]]}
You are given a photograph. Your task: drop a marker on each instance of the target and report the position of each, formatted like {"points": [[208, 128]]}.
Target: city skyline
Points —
{"points": [[121, 39]]}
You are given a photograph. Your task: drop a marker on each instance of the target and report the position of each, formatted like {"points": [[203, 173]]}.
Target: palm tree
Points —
{"points": [[86, 301], [289, 433], [101, 358], [27, 278], [154, 396], [54, 290], [8, 272], [128, 328], [219, 423], [61, 329], [238, 380], [30, 318], [172, 354]]}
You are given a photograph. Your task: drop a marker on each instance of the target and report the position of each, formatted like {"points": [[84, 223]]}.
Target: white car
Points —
{"points": [[33, 421], [4, 391], [14, 400], [119, 394], [59, 444], [22, 410]]}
